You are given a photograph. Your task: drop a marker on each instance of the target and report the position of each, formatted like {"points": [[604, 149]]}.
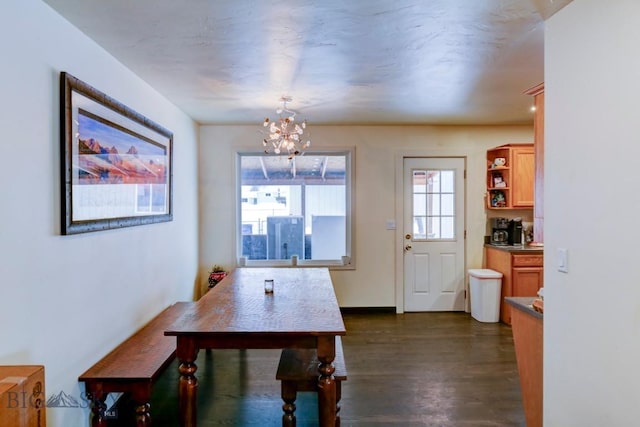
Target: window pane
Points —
{"points": [[433, 182], [419, 204], [419, 231], [447, 229], [419, 181], [325, 218], [447, 204], [447, 181]]}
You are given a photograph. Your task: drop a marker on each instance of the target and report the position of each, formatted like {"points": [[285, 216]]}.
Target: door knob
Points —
{"points": [[407, 248]]}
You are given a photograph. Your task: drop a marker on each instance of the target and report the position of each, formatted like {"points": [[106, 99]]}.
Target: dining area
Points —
{"points": [[225, 352], [412, 369], [262, 308]]}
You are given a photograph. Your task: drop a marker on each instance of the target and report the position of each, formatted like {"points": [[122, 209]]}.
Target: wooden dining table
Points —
{"points": [[302, 312]]}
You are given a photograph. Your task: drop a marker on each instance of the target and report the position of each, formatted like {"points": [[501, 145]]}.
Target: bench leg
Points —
{"points": [[98, 407], [143, 417], [141, 395], [289, 392], [338, 397]]}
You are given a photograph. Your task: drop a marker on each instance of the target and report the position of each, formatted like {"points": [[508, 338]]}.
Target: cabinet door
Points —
{"points": [[527, 281], [499, 260], [523, 167]]}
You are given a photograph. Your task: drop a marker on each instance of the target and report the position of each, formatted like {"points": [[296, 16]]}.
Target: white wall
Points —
{"points": [[592, 176], [371, 284], [65, 301]]}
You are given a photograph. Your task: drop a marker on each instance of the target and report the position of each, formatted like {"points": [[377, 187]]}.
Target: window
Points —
{"points": [[295, 210]]}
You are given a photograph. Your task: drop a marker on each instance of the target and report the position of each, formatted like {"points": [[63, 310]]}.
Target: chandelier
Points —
{"points": [[284, 135]]}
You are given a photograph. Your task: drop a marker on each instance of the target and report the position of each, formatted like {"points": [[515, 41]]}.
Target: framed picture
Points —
{"points": [[116, 165]]}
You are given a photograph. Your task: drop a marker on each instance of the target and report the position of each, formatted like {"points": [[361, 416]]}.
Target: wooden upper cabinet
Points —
{"points": [[538, 138], [510, 181], [523, 169]]}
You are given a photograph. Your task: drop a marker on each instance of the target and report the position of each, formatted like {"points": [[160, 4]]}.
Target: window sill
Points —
{"points": [[345, 264]]}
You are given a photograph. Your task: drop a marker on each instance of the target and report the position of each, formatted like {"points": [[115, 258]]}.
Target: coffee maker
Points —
{"points": [[499, 231], [515, 231]]}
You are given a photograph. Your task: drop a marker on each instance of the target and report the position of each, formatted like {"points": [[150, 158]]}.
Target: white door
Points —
{"points": [[433, 237]]}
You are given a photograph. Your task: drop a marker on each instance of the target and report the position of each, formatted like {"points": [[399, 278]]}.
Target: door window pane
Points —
{"points": [[419, 181], [419, 204], [419, 227], [447, 181], [447, 227], [447, 204]]}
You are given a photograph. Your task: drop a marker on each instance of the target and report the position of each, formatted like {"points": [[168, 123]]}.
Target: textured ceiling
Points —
{"points": [[342, 61]]}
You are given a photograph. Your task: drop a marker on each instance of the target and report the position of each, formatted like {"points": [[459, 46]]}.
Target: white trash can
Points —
{"points": [[485, 286]]}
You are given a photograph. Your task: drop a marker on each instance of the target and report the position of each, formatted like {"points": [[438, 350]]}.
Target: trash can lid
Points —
{"points": [[485, 273]]}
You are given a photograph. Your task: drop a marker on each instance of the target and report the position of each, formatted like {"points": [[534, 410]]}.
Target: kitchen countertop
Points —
{"points": [[516, 248], [524, 304]]}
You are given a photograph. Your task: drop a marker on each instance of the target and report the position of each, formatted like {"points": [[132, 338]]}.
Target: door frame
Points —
{"points": [[399, 214]]}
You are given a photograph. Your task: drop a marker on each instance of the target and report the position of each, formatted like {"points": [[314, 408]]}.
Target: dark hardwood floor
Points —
{"points": [[414, 369]]}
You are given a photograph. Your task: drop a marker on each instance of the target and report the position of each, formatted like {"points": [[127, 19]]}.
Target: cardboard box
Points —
{"points": [[22, 396]]}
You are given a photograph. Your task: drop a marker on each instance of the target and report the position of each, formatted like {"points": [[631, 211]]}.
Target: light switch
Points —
{"points": [[563, 267], [391, 224]]}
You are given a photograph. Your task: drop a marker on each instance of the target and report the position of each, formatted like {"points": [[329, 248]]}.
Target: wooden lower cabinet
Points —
{"points": [[528, 341], [522, 274]]}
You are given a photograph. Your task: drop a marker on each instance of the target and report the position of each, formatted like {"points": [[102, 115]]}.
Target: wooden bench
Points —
{"points": [[133, 367], [298, 371]]}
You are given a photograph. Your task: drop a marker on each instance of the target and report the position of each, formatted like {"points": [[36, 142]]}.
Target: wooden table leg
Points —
{"points": [[326, 382], [188, 383]]}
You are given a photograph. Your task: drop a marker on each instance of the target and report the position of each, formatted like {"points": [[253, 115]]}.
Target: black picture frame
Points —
{"points": [[116, 167]]}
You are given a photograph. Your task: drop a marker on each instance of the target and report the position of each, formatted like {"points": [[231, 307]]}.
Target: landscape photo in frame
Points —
{"points": [[116, 168]]}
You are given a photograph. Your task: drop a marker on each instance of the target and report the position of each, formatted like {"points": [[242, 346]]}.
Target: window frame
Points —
{"points": [[348, 261]]}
